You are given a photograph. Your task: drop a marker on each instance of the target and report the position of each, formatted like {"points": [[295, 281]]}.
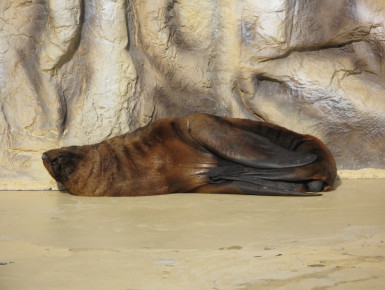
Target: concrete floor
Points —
{"points": [[52, 240]]}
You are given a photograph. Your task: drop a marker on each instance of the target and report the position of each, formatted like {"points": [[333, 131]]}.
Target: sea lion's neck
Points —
{"points": [[84, 181], [117, 166]]}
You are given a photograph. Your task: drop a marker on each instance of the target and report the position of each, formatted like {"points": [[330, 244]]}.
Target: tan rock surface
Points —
{"points": [[77, 72]]}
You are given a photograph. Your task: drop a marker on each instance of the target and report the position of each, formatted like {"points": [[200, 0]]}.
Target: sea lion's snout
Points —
{"points": [[44, 156], [47, 163], [46, 160]]}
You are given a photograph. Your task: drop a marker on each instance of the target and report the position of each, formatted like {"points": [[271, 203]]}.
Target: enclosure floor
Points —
{"points": [[52, 240]]}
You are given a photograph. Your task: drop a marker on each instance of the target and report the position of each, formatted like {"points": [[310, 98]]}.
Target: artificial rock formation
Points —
{"points": [[77, 72]]}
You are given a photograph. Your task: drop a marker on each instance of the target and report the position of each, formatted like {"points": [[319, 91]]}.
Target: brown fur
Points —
{"points": [[178, 155]]}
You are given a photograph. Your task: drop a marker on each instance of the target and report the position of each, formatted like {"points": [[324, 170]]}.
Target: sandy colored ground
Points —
{"points": [[52, 240]]}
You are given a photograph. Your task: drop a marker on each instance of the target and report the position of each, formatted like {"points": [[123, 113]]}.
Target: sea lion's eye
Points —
{"points": [[53, 162]]}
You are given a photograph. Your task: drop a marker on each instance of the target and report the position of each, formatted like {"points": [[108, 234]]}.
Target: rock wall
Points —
{"points": [[77, 72]]}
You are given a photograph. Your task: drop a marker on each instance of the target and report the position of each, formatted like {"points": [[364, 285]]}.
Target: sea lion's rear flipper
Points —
{"points": [[248, 180], [241, 187]]}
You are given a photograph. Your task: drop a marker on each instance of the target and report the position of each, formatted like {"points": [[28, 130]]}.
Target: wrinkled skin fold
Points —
{"points": [[198, 153]]}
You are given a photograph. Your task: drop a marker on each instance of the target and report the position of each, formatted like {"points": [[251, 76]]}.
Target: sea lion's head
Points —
{"points": [[63, 162], [71, 166], [80, 169]]}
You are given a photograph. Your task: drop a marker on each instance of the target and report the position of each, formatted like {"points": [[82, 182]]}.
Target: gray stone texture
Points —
{"points": [[77, 72]]}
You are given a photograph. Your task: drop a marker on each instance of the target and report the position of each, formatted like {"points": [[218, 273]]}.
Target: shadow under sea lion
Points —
{"points": [[198, 153]]}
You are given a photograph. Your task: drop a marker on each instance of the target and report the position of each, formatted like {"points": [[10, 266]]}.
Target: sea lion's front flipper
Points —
{"points": [[246, 147]]}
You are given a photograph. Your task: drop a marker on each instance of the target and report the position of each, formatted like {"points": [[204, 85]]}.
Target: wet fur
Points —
{"points": [[197, 153]]}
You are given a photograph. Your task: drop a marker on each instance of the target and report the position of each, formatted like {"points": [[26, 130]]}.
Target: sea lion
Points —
{"points": [[198, 153]]}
